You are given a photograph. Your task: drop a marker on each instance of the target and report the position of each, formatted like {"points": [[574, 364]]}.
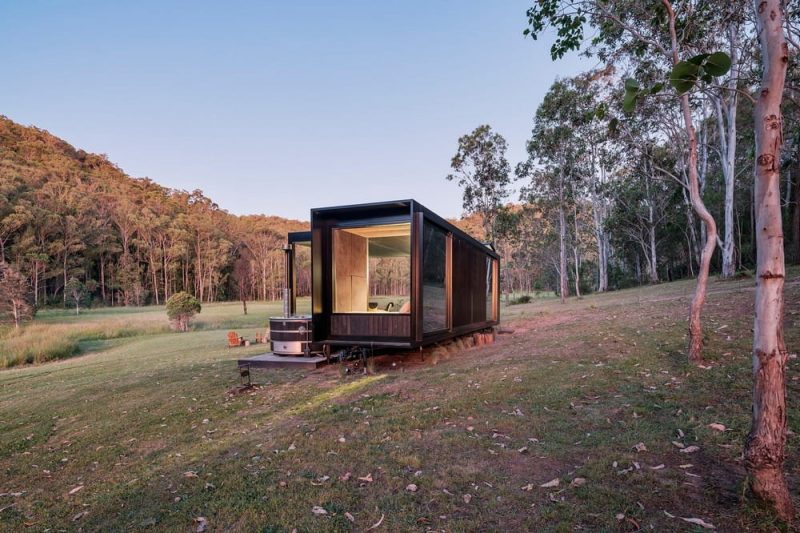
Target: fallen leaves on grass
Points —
{"points": [[411, 487], [349, 517], [578, 482], [76, 490], [467, 498], [345, 476], [367, 478], [378, 523], [690, 449], [699, 522], [319, 511], [190, 473], [550, 484], [528, 487], [717, 426], [202, 524], [640, 447]]}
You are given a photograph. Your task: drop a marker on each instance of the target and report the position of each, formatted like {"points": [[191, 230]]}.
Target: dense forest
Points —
{"points": [[69, 215]]}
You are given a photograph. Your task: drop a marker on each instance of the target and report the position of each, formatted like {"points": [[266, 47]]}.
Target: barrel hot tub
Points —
{"points": [[290, 335]]}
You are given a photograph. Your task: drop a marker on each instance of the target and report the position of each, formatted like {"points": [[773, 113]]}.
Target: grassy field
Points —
{"points": [[142, 432], [58, 334]]}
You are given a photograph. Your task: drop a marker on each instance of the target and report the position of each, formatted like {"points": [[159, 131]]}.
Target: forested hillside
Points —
{"points": [[65, 214]]}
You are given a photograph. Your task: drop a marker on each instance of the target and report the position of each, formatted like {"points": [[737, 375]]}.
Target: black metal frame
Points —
{"points": [[325, 220]]}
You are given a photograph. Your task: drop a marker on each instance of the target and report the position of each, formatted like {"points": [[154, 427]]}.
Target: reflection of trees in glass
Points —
{"points": [[302, 270], [434, 266], [489, 288], [390, 276]]}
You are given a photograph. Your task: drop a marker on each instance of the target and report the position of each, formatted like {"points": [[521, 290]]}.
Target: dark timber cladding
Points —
{"points": [[444, 283]]}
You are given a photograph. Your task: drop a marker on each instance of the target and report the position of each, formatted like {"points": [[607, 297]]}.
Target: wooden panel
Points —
{"points": [[371, 325], [469, 284], [350, 283]]}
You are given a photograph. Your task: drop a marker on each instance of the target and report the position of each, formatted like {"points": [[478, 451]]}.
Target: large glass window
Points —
{"points": [[434, 278], [372, 269]]}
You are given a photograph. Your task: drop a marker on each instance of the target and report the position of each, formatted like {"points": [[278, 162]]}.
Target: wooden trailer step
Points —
{"points": [[270, 360]]}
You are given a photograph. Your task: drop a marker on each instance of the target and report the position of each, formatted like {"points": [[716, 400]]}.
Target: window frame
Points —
{"points": [[371, 223]]}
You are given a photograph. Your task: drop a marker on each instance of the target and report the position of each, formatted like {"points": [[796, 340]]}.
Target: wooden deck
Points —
{"points": [[270, 360]]}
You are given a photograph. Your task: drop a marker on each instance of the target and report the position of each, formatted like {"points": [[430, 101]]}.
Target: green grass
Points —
{"points": [[60, 333], [587, 381]]}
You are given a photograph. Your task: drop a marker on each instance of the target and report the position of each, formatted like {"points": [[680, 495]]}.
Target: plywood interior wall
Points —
{"points": [[350, 292]]}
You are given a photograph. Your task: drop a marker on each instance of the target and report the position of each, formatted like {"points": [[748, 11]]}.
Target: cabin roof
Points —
{"points": [[344, 211]]}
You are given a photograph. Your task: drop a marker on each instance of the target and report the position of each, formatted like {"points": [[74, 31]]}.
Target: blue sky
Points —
{"points": [[278, 107]]}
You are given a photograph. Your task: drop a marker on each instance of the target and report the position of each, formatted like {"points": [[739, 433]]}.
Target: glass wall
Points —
{"points": [[434, 278], [302, 277], [490, 273], [372, 269]]}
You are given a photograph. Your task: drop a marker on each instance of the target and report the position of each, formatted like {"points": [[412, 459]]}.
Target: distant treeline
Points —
{"points": [[65, 213]]}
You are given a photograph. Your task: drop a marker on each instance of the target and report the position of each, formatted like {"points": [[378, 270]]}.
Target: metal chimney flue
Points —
{"points": [[288, 277]]}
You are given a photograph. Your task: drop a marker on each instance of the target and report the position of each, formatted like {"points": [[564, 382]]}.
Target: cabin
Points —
{"points": [[386, 275]]}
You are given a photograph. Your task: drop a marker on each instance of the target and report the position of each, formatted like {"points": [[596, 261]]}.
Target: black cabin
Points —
{"points": [[393, 275]]}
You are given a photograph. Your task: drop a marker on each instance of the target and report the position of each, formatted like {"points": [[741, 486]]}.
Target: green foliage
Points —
{"points": [[181, 307], [685, 74], [632, 90], [568, 25], [482, 171]]}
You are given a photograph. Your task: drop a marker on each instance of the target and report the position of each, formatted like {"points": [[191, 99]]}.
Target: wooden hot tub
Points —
{"points": [[290, 335]]}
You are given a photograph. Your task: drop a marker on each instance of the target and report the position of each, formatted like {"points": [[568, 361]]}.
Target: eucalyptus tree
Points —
{"points": [[15, 295], [645, 35], [766, 443], [595, 105], [481, 169], [725, 98], [677, 33], [556, 161], [642, 201]]}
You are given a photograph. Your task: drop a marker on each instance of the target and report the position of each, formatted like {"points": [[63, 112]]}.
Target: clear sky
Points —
{"points": [[278, 107]]}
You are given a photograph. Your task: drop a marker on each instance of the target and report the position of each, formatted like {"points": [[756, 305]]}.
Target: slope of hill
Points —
{"points": [[67, 213], [588, 417]]}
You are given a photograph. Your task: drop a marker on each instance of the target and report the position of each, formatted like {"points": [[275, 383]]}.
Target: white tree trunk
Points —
{"points": [[765, 448], [725, 107], [562, 250]]}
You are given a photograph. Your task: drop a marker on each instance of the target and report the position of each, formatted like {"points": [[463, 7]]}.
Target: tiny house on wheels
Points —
{"points": [[385, 275]]}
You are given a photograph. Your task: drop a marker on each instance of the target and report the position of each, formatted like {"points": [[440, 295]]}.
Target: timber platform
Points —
{"points": [[270, 360]]}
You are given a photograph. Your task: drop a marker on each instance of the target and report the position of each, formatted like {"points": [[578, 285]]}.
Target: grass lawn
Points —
{"points": [[140, 432]]}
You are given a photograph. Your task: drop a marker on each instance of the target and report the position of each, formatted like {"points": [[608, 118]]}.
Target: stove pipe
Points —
{"points": [[288, 265]]}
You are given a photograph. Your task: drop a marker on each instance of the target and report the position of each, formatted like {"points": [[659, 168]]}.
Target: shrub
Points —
{"points": [[181, 307], [521, 299]]}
